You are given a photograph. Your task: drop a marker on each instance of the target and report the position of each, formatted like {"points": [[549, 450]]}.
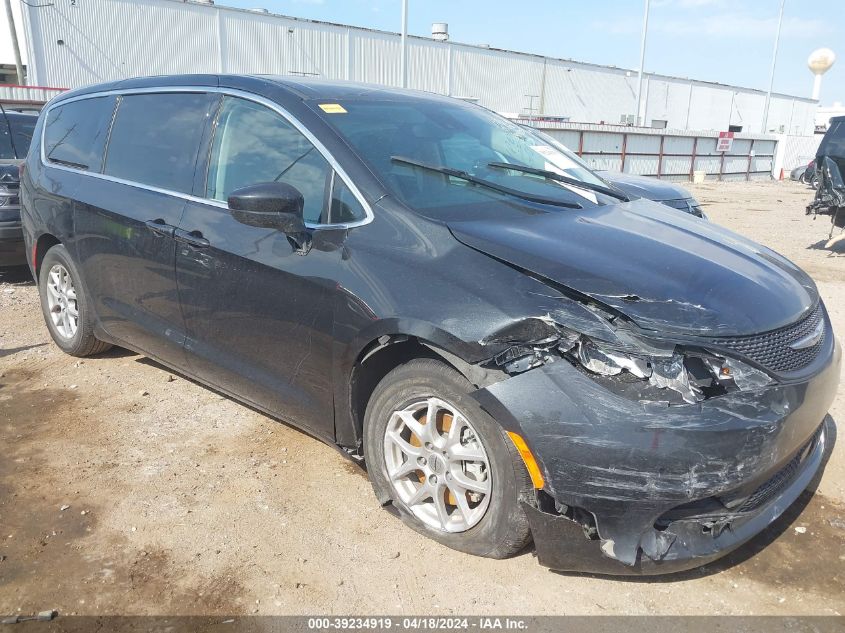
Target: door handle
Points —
{"points": [[192, 238], [160, 227]]}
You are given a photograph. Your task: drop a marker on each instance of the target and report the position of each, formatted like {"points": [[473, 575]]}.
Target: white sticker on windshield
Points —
{"points": [[560, 163]]}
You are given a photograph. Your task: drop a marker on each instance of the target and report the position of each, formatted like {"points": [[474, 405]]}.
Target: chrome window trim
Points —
{"points": [[368, 211]]}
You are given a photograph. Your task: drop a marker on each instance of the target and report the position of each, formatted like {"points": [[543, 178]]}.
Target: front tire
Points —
{"points": [[445, 465], [65, 305]]}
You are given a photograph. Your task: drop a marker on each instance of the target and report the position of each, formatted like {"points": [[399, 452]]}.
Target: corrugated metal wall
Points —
{"points": [[71, 45], [90, 41], [799, 150], [26, 96]]}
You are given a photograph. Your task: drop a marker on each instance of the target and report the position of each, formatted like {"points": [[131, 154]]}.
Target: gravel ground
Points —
{"points": [[126, 489]]}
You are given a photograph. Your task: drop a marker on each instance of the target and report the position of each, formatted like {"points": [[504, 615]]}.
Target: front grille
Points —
{"points": [[680, 205], [771, 349], [775, 484], [729, 505], [9, 200]]}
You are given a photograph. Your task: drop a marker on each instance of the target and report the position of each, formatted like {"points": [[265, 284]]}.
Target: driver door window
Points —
{"points": [[254, 144]]}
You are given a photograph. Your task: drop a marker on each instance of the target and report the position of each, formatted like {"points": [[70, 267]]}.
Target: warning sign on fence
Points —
{"points": [[726, 141]]}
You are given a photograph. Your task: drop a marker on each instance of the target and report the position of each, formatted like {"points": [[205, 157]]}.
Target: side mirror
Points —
{"points": [[269, 205]]}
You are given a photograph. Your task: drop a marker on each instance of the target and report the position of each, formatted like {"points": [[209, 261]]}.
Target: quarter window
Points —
{"points": [[155, 139], [253, 144], [75, 133], [345, 206]]}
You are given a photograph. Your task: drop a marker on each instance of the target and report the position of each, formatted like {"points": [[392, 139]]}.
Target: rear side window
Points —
{"points": [[75, 133], [155, 139]]}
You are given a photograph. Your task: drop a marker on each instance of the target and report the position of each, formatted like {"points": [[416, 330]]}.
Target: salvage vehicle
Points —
{"points": [[830, 174], [15, 135], [632, 185], [513, 353]]}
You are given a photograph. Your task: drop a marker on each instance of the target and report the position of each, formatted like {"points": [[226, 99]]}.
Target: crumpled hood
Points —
{"points": [[665, 270], [645, 187]]}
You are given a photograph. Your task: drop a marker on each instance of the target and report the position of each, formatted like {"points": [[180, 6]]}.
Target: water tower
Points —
{"points": [[819, 62]]}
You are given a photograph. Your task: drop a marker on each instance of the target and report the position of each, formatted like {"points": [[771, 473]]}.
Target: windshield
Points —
{"points": [[402, 140]]}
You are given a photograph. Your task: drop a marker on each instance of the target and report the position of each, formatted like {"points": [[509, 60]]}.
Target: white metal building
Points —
{"points": [[70, 43]]}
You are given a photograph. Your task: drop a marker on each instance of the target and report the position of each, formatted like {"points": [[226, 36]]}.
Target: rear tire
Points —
{"points": [[490, 524], [66, 307]]}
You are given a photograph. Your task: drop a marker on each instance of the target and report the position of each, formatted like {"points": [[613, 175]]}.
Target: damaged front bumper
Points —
{"points": [[645, 488]]}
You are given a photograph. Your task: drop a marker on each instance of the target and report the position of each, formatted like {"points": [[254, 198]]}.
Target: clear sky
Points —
{"points": [[728, 41]]}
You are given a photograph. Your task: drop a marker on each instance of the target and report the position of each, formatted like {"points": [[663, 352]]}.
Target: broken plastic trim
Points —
{"points": [[673, 374]]}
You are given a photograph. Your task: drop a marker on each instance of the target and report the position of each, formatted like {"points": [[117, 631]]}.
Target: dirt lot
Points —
{"points": [[125, 489]]}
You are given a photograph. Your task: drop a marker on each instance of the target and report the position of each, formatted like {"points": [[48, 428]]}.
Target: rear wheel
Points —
{"points": [[445, 465], [65, 305]]}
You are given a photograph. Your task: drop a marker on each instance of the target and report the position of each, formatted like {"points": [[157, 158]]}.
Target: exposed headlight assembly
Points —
{"points": [[693, 376]]}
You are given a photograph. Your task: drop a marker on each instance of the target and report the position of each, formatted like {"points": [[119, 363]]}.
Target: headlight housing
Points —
{"points": [[644, 370], [693, 376]]}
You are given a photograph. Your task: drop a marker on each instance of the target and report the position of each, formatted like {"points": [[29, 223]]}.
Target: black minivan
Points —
{"points": [[513, 351]]}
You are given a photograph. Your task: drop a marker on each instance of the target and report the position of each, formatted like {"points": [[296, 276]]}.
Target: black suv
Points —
{"points": [[830, 174], [515, 349], [15, 136]]}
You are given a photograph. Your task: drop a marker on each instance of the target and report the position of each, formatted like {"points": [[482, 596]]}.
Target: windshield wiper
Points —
{"points": [[457, 173], [553, 175]]}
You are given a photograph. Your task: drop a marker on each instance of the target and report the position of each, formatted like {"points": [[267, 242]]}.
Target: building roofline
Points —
{"points": [[253, 12]]}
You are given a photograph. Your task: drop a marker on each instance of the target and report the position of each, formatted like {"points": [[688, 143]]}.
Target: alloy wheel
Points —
{"points": [[62, 302], [437, 465]]}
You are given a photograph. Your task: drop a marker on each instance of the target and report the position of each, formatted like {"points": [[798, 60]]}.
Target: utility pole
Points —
{"points": [[15, 46], [642, 61], [404, 43], [772, 74]]}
